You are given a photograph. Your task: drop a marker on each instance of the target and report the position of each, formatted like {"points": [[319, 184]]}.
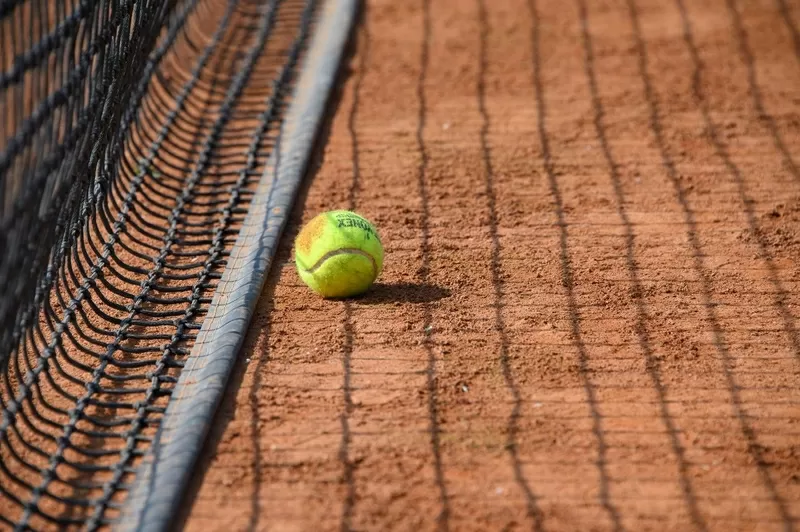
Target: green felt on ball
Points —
{"points": [[338, 254]]}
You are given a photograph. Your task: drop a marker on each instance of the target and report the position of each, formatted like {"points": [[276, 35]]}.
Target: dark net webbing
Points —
{"points": [[132, 136], [67, 71]]}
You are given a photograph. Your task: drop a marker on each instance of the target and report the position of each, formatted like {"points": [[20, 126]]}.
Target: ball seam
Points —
{"points": [[342, 251]]}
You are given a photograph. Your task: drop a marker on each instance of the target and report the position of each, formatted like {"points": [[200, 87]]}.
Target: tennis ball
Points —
{"points": [[338, 254]]}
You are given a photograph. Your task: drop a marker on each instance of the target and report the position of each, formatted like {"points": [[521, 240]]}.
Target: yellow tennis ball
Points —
{"points": [[338, 254]]}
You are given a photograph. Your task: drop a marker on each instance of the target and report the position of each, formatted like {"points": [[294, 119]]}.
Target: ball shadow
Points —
{"points": [[383, 293]]}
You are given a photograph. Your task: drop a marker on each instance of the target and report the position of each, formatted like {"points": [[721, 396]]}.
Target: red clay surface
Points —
{"points": [[589, 314]]}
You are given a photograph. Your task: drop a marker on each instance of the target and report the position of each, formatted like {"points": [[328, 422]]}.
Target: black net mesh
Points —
{"points": [[132, 136], [68, 69]]}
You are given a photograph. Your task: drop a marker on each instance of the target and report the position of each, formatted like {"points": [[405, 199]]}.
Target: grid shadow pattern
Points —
{"points": [[615, 345]]}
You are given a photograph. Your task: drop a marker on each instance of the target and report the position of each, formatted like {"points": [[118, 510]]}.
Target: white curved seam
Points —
{"points": [[343, 251]]}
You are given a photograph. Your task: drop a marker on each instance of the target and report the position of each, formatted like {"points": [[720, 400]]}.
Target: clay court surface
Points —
{"points": [[588, 318]]}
